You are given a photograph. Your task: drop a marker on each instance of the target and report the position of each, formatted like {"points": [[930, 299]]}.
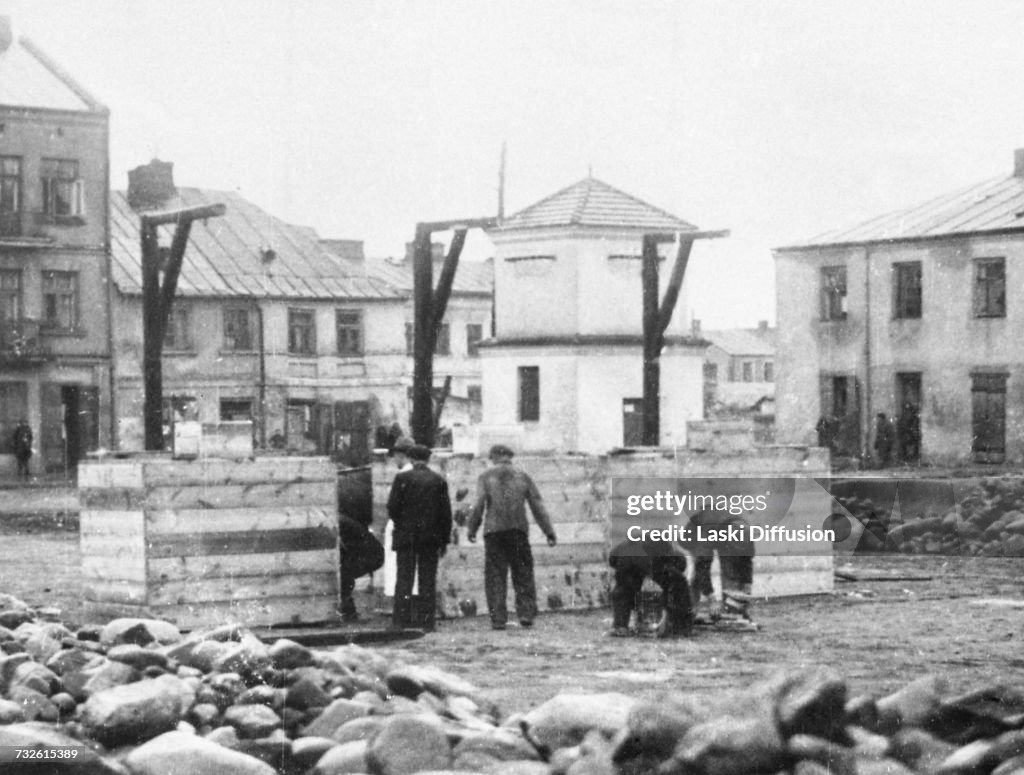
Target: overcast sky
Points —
{"points": [[777, 120]]}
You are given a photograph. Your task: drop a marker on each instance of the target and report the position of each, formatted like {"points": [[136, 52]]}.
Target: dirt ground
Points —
{"points": [[965, 623]]}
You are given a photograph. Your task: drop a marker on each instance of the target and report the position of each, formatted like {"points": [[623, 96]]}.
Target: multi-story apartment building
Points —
{"points": [[55, 334], [912, 315]]}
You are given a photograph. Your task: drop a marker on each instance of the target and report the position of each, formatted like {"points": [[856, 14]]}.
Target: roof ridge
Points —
{"points": [[63, 75], [640, 201], [577, 213]]}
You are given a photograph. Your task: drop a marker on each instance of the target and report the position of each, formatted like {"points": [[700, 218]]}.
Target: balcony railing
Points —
{"points": [[21, 344]]}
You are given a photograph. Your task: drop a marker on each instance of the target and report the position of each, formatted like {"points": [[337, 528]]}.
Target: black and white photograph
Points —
{"points": [[511, 388]]}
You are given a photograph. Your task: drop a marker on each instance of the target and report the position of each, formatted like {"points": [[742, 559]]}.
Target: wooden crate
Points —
{"points": [[208, 541]]}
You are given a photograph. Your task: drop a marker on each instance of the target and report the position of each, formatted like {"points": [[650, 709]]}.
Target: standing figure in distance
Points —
{"points": [[22, 442], [503, 492], [884, 438], [421, 511]]}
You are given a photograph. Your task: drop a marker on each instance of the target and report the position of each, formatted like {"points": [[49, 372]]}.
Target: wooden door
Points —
{"points": [[632, 422], [352, 432]]}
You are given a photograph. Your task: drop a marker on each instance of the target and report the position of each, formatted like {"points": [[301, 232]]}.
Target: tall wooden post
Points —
{"points": [[157, 299], [429, 306], [656, 319]]}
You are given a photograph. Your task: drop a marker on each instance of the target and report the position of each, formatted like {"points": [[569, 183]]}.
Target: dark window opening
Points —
{"points": [[907, 289], [529, 393], [238, 329], [349, 327], [833, 293], [990, 288], [301, 332]]}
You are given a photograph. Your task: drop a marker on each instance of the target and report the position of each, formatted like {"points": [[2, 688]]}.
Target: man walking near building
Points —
{"points": [[22, 443], [420, 509], [503, 492]]}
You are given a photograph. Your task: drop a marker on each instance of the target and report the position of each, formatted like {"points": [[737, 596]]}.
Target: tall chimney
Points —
{"points": [[762, 325], [151, 185], [6, 33], [1018, 163]]}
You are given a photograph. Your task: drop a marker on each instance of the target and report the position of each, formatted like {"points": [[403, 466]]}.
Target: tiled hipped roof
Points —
{"points": [[591, 202], [995, 205], [228, 256]]}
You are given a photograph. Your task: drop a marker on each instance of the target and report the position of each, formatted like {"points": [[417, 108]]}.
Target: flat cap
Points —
{"points": [[500, 450]]}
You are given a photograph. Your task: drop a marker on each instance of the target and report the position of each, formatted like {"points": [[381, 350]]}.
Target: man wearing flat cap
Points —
{"points": [[421, 511], [503, 491]]}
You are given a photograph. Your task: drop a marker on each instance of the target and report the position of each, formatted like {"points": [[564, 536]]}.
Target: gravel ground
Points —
{"points": [[966, 623]]}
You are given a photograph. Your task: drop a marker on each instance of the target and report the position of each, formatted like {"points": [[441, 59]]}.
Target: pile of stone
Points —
{"points": [[987, 520], [135, 697]]}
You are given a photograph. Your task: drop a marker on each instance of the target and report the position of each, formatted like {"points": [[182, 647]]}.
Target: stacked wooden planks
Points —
{"points": [[207, 541], [578, 493]]}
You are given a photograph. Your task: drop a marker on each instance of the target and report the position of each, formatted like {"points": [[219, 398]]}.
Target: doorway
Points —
{"points": [[908, 416], [69, 426], [632, 422]]}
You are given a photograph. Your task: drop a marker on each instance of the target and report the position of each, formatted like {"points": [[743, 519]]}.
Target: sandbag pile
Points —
{"points": [[138, 698], [987, 520]]}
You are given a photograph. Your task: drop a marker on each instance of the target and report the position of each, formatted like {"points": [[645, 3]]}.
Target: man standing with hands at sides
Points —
{"points": [[421, 511], [503, 492]]}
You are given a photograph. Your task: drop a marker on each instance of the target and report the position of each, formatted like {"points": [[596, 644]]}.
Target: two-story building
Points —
{"points": [[912, 314], [565, 368], [267, 326], [55, 333]]}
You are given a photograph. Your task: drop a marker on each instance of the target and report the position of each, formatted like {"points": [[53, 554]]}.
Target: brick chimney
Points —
{"points": [[762, 326], [151, 185], [695, 326], [6, 33], [1018, 163]]}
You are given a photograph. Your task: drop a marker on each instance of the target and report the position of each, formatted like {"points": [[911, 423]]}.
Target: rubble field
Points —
{"points": [[914, 668]]}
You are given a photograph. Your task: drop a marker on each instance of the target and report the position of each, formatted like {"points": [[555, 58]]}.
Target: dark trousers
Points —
{"points": [[418, 564], [505, 551], [361, 554], [23, 465], [669, 573]]}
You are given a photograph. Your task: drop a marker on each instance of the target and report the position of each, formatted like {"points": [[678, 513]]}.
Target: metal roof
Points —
{"points": [[591, 202], [227, 256], [472, 277], [744, 341], [30, 79], [994, 205]]}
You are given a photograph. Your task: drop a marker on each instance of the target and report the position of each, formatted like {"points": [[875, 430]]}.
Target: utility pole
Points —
{"points": [[157, 298], [429, 305], [656, 317]]}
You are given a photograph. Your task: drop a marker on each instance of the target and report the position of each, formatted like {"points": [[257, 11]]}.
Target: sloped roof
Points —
{"points": [[744, 341], [591, 202], [225, 255], [994, 205], [30, 79], [472, 277]]}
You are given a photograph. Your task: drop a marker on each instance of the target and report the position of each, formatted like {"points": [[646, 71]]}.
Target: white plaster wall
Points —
{"points": [[582, 291]]}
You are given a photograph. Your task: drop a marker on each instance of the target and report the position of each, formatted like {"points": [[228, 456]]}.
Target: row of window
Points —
{"points": [[59, 302], [989, 290], [62, 192], [240, 333]]}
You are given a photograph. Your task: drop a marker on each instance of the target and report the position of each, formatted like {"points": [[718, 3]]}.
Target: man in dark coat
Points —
{"points": [[665, 562], [22, 443], [421, 511], [503, 492]]}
